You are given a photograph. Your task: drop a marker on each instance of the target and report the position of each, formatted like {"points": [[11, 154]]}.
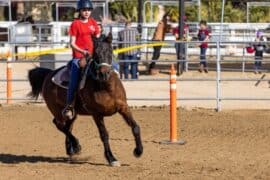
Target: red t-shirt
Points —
{"points": [[83, 33], [176, 30], [203, 33]]}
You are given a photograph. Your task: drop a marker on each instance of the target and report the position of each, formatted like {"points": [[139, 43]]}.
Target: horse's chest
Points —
{"points": [[104, 99], [100, 102]]}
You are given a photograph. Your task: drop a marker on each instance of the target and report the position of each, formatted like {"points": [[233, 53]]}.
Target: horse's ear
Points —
{"points": [[109, 38]]}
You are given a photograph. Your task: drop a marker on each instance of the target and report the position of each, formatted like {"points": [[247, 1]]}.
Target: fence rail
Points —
{"points": [[217, 97]]}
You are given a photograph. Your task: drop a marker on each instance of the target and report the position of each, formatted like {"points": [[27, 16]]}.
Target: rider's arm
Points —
{"points": [[97, 32], [207, 36], [75, 47]]}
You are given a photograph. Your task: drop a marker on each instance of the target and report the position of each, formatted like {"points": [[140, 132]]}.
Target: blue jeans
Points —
{"points": [[73, 81], [115, 66], [203, 57], [133, 66], [181, 56]]}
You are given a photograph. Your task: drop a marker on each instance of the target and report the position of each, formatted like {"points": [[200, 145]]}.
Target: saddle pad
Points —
{"points": [[61, 78]]}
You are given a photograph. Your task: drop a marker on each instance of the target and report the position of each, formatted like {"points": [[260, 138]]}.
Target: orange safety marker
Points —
{"points": [[173, 110], [9, 77]]}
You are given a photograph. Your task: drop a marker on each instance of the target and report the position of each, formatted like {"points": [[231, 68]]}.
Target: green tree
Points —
{"points": [[232, 14], [128, 9], [210, 11], [259, 14]]}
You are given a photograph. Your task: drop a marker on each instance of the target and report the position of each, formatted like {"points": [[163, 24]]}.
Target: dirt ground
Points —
{"points": [[232, 144]]}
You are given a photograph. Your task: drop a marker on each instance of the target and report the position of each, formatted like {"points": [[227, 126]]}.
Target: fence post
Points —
{"points": [[173, 110], [9, 77], [186, 56], [218, 105], [243, 61]]}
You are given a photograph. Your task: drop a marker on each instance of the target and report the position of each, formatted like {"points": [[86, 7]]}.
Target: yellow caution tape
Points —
{"points": [[42, 52], [122, 50], [116, 51]]}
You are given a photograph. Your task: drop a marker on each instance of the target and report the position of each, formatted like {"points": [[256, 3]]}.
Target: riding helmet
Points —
{"points": [[84, 4]]}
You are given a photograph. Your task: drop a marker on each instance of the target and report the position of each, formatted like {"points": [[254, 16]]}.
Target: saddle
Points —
{"points": [[62, 77]]}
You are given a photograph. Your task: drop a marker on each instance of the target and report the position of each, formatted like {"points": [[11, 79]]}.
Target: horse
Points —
{"points": [[102, 95]]}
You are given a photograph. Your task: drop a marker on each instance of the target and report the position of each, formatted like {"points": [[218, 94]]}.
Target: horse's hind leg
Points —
{"points": [[72, 143], [99, 120], [125, 112]]}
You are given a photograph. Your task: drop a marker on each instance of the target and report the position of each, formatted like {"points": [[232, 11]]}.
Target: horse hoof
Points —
{"points": [[71, 151], [137, 152], [73, 158], [115, 164], [77, 150]]}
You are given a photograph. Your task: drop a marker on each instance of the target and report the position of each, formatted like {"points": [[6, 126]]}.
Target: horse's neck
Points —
{"points": [[97, 85]]}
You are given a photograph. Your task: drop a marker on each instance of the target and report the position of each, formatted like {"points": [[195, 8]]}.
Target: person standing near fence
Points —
{"points": [[203, 36], [177, 45], [129, 35], [102, 36], [159, 35], [259, 47]]}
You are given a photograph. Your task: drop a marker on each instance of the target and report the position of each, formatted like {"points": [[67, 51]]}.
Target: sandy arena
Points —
{"points": [[225, 145]]}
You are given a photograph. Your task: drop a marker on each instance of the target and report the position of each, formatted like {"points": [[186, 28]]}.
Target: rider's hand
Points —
{"points": [[85, 53]]}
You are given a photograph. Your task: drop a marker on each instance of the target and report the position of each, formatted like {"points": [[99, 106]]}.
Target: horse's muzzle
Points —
{"points": [[104, 72]]}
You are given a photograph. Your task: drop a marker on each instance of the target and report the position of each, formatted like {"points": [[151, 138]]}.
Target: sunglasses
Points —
{"points": [[86, 9]]}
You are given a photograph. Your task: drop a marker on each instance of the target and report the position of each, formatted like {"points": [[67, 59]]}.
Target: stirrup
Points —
{"points": [[68, 112]]}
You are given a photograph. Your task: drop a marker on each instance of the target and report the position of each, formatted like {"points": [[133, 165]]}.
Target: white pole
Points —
{"points": [[219, 58], [218, 105], [222, 20]]}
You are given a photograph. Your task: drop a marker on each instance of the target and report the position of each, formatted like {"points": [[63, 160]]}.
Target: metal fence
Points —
{"points": [[218, 61]]}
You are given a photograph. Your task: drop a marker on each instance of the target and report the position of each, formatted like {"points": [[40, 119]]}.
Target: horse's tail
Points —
{"points": [[36, 78]]}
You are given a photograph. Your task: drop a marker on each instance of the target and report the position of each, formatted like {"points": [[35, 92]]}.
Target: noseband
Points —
{"points": [[94, 71]]}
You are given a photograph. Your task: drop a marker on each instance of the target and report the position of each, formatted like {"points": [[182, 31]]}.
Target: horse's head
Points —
{"points": [[103, 57]]}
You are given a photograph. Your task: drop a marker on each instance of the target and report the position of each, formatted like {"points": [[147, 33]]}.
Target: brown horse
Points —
{"points": [[102, 95]]}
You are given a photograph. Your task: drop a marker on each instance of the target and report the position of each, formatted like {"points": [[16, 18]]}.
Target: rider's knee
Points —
{"points": [[75, 62], [82, 62]]}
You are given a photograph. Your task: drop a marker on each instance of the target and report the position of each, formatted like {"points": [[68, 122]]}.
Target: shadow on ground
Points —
{"points": [[15, 159]]}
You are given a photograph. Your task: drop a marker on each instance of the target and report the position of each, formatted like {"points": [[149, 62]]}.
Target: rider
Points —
{"points": [[81, 31]]}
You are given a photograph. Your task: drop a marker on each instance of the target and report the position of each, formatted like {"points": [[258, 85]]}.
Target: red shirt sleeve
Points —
{"points": [[206, 32], [96, 31], [73, 30]]}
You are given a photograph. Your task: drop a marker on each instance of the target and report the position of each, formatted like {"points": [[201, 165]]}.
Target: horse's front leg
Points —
{"points": [[72, 143], [125, 112], [99, 120]]}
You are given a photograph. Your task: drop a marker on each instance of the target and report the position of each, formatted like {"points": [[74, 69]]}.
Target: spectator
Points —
{"points": [[101, 30], [159, 35], [203, 36], [129, 35], [177, 45], [259, 47]]}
